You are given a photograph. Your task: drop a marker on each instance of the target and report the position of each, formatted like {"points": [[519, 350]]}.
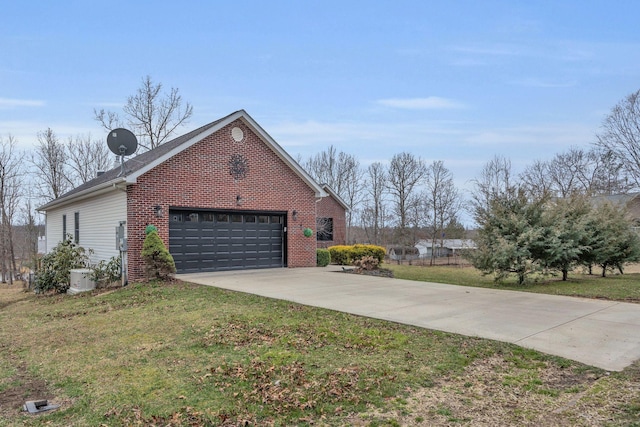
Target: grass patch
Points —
{"points": [[179, 354], [618, 287]]}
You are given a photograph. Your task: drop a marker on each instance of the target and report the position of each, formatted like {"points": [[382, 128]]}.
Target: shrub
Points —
{"points": [[106, 272], [361, 251], [158, 261], [323, 257], [346, 255], [340, 254], [55, 267]]}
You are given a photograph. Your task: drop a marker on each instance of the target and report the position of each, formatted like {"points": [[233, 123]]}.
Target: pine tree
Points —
{"points": [[510, 238]]}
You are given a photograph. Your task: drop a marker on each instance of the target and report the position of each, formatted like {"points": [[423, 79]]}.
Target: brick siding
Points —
{"points": [[329, 207], [199, 177]]}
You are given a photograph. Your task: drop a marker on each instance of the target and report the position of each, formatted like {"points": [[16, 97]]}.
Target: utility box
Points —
{"points": [[81, 281], [121, 240]]}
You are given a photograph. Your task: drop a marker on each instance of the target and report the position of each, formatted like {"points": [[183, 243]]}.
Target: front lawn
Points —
{"points": [[180, 354]]}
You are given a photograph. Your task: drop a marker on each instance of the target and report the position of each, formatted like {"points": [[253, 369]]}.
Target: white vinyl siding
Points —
{"points": [[99, 217]]}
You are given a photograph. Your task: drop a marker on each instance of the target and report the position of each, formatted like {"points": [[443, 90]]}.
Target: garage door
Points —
{"points": [[217, 241]]}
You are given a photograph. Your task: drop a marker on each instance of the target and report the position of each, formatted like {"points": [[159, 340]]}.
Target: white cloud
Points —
{"points": [[553, 137], [313, 132], [14, 103], [533, 82], [26, 132], [428, 103]]}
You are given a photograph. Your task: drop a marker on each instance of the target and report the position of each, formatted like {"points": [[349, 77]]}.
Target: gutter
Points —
{"points": [[84, 194]]}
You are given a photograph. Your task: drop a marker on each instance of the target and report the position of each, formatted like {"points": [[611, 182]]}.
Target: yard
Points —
{"points": [[618, 287], [179, 354]]}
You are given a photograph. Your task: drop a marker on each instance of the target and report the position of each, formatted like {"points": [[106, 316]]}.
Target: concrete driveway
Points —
{"points": [[605, 334]]}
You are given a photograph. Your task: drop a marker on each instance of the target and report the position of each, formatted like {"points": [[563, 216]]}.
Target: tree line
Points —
{"points": [[55, 166], [523, 232], [392, 203]]}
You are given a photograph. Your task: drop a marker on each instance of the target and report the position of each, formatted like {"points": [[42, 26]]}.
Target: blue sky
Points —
{"points": [[457, 81]]}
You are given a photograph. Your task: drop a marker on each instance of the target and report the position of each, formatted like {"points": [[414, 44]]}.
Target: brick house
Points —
{"points": [[331, 222], [225, 196]]}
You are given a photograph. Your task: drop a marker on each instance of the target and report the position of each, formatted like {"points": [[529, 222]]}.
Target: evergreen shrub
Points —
{"points": [[54, 273], [323, 257], [159, 263]]}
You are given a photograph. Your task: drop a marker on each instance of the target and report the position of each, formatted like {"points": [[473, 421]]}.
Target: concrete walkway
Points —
{"points": [[605, 334]]}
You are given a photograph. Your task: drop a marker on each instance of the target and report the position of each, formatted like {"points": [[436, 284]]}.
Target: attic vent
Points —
{"points": [[237, 134], [99, 173]]}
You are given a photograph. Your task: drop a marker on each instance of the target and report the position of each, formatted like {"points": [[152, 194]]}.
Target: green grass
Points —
{"points": [[181, 354], [617, 287]]}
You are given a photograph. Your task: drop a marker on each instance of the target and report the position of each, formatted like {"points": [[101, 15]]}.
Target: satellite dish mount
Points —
{"points": [[122, 142]]}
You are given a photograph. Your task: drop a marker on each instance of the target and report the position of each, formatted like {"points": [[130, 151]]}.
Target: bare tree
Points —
{"points": [[151, 114], [341, 172], [535, 179], [441, 200], [11, 162], [374, 210], [404, 176], [609, 176], [576, 171], [51, 170], [620, 134], [495, 182], [86, 157], [570, 173], [29, 243]]}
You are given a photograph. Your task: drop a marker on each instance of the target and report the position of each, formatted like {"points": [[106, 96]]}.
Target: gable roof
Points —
{"points": [[335, 195], [142, 163]]}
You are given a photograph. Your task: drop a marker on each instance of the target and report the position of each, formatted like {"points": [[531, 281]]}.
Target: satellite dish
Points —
{"points": [[122, 142]]}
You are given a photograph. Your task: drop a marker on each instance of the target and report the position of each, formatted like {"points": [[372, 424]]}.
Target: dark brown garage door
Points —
{"points": [[201, 241]]}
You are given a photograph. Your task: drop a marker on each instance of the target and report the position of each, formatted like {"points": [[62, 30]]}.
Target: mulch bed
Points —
{"points": [[379, 272]]}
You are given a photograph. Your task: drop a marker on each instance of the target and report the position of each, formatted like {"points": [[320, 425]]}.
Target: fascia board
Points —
{"points": [[89, 192]]}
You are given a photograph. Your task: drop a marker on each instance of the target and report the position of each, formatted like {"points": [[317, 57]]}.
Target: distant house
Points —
{"points": [[630, 201], [224, 196], [444, 247], [403, 253]]}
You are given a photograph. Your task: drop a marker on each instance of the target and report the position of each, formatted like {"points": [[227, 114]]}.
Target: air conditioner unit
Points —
{"points": [[81, 281]]}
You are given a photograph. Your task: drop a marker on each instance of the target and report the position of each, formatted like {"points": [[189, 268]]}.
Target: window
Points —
{"points": [[192, 217], [325, 229], [76, 227], [64, 227], [276, 219], [176, 217], [207, 217], [236, 218]]}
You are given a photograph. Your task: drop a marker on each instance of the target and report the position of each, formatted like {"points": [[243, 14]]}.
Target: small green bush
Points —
{"points": [[323, 257], [54, 273], [159, 263]]}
